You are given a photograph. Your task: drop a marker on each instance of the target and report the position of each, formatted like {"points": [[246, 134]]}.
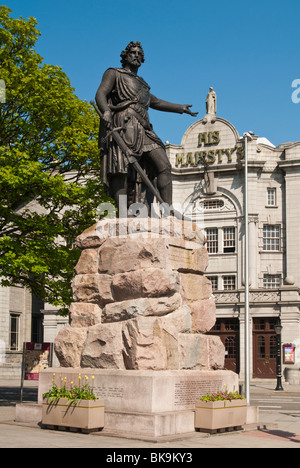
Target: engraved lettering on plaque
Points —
{"points": [[109, 392], [187, 391], [181, 258]]}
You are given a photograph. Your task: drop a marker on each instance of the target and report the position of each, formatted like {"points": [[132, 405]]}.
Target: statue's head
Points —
{"points": [[129, 49]]}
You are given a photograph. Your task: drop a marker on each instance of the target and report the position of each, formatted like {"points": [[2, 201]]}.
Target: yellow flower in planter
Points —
{"points": [[73, 394]]}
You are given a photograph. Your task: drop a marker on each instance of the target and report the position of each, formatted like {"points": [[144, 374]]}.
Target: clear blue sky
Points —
{"points": [[248, 51]]}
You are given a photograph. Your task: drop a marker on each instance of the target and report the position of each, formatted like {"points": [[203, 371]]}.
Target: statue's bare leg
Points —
{"points": [[159, 159]]}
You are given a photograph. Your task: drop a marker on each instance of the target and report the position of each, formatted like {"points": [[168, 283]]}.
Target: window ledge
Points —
{"points": [[271, 251], [225, 254]]}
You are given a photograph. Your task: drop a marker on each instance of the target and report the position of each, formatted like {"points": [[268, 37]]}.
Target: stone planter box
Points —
{"points": [[87, 415], [210, 416]]}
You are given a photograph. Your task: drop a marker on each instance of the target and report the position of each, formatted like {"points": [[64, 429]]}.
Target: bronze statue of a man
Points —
{"points": [[123, 99]]}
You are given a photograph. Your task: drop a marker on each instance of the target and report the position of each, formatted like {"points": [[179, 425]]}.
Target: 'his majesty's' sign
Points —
{"points": [[209, 141], [208, 151]]}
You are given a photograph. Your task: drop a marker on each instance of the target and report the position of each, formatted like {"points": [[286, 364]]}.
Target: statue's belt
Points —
{"points": [[126, 105]]}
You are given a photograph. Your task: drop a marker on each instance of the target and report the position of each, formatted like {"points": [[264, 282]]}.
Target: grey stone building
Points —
{"points": [[23, 318], [208, 177], [20, 321]]}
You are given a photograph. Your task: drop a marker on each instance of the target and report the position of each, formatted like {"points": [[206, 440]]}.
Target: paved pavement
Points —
{"points": [[279, 427]]}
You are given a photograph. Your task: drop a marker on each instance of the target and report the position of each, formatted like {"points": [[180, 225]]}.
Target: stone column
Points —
{"points": [[53, 323], [292, 218], [4, 323]]}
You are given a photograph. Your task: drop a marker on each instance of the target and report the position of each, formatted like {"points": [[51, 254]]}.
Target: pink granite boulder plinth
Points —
{"points": [[141, 300]]}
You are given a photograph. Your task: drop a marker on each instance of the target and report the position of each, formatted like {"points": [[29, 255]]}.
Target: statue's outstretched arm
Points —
{"points": [[166, 106]]}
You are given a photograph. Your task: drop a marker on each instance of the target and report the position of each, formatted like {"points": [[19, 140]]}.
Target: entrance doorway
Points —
{"points": [[229, 330], [264, 348]]}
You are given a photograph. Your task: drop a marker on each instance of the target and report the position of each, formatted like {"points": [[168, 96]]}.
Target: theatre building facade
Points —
{"points": [[208, 183]]}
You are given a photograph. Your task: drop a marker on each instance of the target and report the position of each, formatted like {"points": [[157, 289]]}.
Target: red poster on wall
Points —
{"points": [[36, 357], [288, 354]]}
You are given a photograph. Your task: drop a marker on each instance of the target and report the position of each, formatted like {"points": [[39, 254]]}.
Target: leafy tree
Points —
{"points": [[49, 167]]}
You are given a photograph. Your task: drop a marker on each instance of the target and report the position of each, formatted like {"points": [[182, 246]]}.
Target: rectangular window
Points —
{"points": [[212, 204], [14, 332], [214, 282], [37, 329], [212, 240], [228, 283], [271, 237], [271, 197], [229, 239], [272, 281]]}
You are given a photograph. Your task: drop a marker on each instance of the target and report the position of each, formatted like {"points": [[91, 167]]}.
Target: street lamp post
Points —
{"points": [[247, 136], [278, 329]]}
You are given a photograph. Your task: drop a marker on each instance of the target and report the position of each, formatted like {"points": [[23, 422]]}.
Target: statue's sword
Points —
{"points": [[130, 156]]}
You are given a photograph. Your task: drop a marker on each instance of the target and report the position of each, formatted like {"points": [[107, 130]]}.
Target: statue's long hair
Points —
{"points": [[124, 53]]}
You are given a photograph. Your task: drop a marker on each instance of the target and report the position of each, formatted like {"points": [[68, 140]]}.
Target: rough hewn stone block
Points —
{"points": [[143, 344], [125, 310], [199, 351], [203, 315], [69, 345], [88, 262], [84, 314], [94, 288], [187, 256], [103, 347], [195, 287], [150, 282], [119, 255]]}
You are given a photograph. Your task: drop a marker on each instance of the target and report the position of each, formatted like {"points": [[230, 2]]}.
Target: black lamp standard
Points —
{"points": [[278, 329]]}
